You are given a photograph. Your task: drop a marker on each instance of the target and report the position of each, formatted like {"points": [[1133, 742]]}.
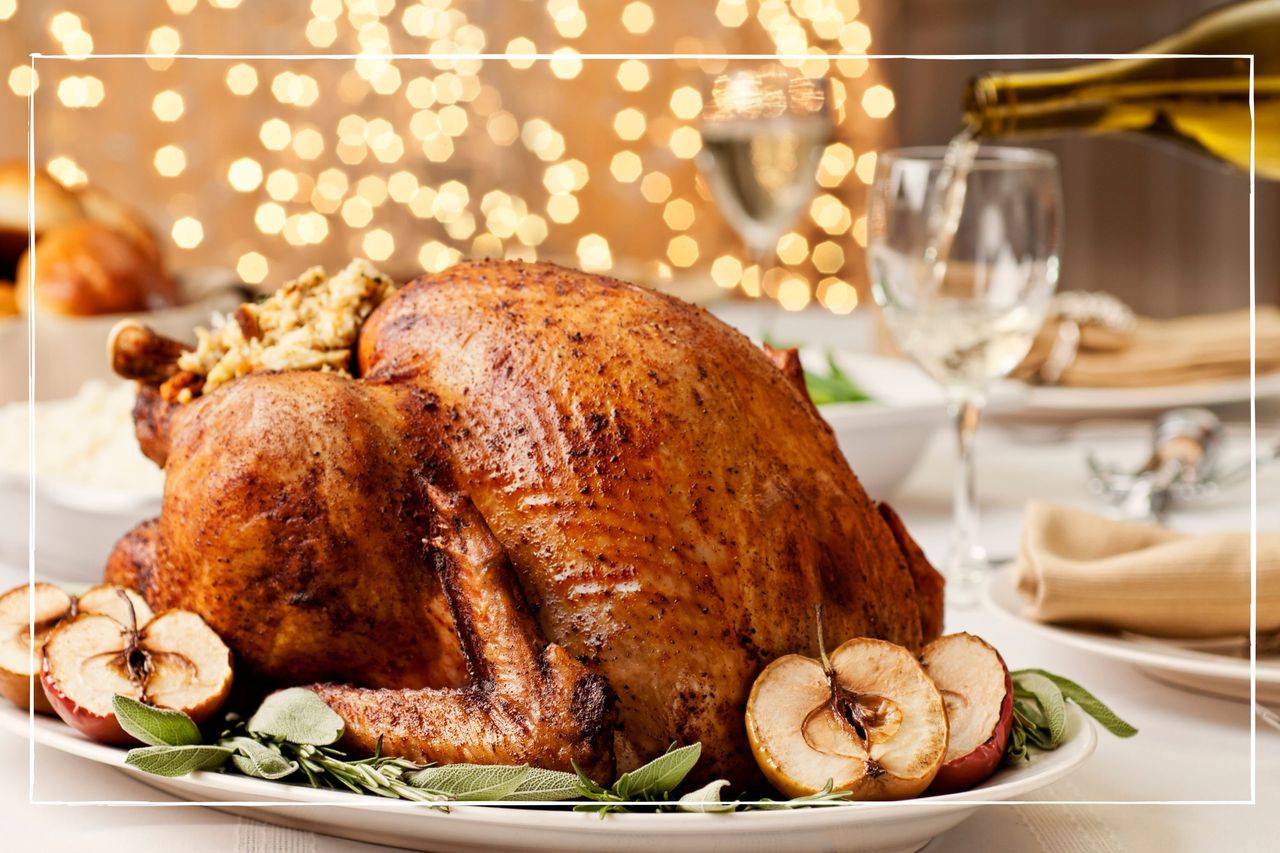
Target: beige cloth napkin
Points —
{"points": [[1199, 348], [1076, 567]]}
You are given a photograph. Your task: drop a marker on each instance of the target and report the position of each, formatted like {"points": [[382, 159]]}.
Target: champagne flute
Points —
{"points": [[763, 132], [963, 246]]}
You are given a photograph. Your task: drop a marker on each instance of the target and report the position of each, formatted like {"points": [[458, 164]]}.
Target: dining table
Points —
{"points": [[1202, 774]]}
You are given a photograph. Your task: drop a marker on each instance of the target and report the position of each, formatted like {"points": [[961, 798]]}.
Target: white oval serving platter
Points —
{"points": [[881, 827]]}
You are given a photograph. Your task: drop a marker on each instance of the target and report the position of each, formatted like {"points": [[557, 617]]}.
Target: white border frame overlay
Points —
{"points": [[503, 57]]}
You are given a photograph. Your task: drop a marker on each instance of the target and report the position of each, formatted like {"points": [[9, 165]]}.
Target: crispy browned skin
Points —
{"points": [[291, 522], [133, 561], [673, 508], [527, 702], [137, 352], [788, 361], [929, 584]]}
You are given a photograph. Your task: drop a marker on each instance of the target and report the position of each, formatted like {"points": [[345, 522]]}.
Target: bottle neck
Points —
{"points": [[1039, 102]]}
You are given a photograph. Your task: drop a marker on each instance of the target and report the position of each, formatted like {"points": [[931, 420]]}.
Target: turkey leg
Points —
{"points": [[528, 702]]}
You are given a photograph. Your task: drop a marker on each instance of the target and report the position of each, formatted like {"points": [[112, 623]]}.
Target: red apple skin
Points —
{"points": [[963, 773], [101, 729], [168, 632]]}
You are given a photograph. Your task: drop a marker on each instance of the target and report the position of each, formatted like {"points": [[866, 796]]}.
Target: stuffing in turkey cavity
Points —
{"points": [[310, 323]]}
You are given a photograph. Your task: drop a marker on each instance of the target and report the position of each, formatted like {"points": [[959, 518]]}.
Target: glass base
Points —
{"points": [[966, 572]]}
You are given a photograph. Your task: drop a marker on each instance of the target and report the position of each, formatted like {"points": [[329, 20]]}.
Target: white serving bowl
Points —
{"points": [[884, 437], [76, 526]]}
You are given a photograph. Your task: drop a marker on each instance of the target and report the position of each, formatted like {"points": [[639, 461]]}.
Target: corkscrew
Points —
{"points": [[1185, 465]]}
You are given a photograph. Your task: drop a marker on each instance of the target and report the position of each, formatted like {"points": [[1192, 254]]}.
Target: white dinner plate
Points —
{"points": [[899, 381], [882, 827], [1062, 400], [1201, 671]]}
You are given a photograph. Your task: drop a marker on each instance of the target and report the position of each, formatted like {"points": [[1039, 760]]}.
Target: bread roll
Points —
{"points": [[91, 268], [55, 206], [8, 299], [106, 209]]}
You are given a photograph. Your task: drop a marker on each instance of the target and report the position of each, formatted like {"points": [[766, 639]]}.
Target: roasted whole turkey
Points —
{"points": [[549, 517]]}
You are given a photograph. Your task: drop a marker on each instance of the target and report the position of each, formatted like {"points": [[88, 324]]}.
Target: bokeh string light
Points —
{"points": [[421, 163]]}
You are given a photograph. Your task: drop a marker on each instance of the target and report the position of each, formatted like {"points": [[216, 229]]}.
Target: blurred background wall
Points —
{"points": [[270, 166]]}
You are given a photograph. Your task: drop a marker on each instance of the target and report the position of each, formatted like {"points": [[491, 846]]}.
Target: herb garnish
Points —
{"points": [[293, 732], [834, 386], [1040, 713]]}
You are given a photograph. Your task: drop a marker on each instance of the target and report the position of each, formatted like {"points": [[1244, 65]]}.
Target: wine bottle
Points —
{"points": [[1200, 102]]}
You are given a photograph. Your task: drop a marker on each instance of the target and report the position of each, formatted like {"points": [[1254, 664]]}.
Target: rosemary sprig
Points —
{"points": [[825, 797], [385, 777]]}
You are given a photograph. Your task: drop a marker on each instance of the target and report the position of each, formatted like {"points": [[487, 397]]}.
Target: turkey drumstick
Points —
{"points": [[528, 701]]}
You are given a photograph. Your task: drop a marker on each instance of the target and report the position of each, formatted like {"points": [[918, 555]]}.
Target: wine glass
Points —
{"points": [[963, 247], [763, 132]]}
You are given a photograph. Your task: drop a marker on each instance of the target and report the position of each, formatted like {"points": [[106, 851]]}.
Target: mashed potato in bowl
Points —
{"points": [[92, 484], [86, 441]]}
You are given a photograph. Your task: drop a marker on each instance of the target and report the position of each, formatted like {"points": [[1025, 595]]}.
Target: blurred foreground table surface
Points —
{"points": [[1190, 748]]}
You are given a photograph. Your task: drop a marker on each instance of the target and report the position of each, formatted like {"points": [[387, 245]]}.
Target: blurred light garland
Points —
{"points": [[329, 161]]}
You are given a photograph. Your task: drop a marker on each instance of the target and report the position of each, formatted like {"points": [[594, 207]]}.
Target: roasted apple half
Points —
{"points": [[868, 719], [978, 694], [120, 603], [20, 646], [174, 661]]}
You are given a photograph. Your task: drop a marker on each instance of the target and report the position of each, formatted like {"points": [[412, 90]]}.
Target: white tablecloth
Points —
{"points": [[1190, 748]]}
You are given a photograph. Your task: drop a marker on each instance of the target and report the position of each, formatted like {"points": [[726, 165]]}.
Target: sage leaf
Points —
{"points": [[296, 715], [471, 781], [546, 786], [177, 760], [706, 799], [1039, 713], [1041, 738], [253, 758], [1090, 704], [586, 786], [155, 726], [659, 777], [1052, 705], [1016, 751]]}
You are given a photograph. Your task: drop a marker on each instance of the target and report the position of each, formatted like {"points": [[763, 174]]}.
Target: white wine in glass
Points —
{"points": [[963, 248], [763, 132]]}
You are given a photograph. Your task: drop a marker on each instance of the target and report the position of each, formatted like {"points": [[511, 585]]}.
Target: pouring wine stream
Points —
{"points": [[948, 194], [967, 557]]}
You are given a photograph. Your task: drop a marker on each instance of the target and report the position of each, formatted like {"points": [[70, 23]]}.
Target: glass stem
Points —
{"points": [[759, 258], [968, 558]]}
